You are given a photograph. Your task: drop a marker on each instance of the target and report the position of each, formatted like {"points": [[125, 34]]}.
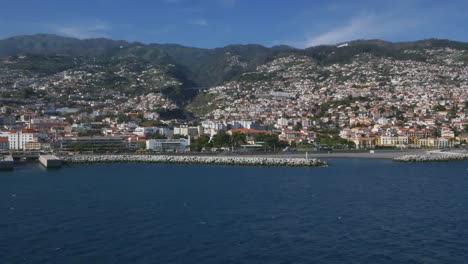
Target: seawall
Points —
{"points": [[210, 160], [432, 157]]}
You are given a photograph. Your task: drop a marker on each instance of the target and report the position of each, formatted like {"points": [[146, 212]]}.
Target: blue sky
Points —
{"points": [[216, 23]]}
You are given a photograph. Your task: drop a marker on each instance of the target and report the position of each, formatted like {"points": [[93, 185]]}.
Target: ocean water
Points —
{"points": [[355, 211]]}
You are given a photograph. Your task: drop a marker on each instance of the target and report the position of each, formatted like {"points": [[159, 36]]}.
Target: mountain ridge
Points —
{"points": [[190, 67], [57, 38]]}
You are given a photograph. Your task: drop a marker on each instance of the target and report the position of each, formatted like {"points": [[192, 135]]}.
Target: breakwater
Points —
{"points": [[432, 157], [242, 161]]}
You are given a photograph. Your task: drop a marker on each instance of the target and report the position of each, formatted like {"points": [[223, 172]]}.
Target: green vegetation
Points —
{"points": [[191, 67], [157, 136], [438, 108], [201, 104], [335, 141], [200, 143]]}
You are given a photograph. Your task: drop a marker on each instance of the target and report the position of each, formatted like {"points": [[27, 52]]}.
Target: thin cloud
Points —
{"points": [[199, 22], [83, 30], [365, 26]]}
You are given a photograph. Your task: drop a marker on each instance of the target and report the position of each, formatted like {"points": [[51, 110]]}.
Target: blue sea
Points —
{"points": [[355, 211]]}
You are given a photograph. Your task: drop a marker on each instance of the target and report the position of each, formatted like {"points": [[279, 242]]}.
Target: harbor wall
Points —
{"points": [[210, 160], [50, 161]]}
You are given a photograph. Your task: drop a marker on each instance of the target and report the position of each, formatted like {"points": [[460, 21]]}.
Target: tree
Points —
{"points": [[271, 141], [158, 136], [452, 113], [238, 139], [28, 92], [201, 142], [121, 118], [221, 139], [298, 127], [439, 108]]}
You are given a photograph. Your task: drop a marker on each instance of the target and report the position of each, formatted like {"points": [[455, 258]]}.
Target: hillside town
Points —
{"points": [[290, 103]]}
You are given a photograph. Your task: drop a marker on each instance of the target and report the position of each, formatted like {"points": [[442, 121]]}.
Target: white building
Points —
{"points": [[243, 124], [306, 122], [18, 139], [447, 133], [47, 120], [188, 131], [151, 115], [401, 141], [168, 145], [282, 122], [211, 125], [165, 131], [142, 131], [382, 121], [440, 143]]}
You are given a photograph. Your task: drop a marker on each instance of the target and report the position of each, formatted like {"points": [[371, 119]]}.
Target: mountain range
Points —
{"points": [[206, 67], [190, 68]]}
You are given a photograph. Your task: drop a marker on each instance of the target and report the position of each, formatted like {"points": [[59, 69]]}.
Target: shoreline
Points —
{"points": [[208, 160]]}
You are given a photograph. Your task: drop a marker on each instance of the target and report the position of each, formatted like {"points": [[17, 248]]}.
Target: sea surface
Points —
{"points": [[355, 211]]}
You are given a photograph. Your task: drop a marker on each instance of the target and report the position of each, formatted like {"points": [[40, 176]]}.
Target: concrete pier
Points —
{"points": [[6, 162], [50, 161]]}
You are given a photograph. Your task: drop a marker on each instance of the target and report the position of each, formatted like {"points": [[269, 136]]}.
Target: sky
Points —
{"points": [[217, 23]]}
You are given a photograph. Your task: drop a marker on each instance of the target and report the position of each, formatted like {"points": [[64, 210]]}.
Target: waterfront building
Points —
{"points": [[168, 145], [389, 141], [363, 143], [92, 144], [439, 143], [18, 139], [37, 145]]}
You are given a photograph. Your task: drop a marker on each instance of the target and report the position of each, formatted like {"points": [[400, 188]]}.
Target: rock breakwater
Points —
{"points": [[431, 157], [240, 161]]}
